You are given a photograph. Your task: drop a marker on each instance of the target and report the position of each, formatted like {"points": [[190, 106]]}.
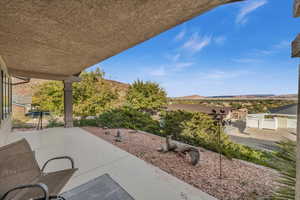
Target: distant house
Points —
{"points": [[22, 97], [200, 108], [283, 117], [239, 114]]}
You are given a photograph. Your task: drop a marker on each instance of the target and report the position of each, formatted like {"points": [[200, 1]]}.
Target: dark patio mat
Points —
{"points": [[101, 188]]}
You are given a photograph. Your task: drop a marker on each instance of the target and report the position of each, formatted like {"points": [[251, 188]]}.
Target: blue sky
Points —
{"points": [[240, 48]]}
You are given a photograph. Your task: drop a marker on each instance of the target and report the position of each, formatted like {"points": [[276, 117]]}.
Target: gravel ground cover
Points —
{"points": [[241, 180]]}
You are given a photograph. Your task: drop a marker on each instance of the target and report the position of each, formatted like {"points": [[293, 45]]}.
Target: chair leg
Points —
{"points": [[57, 197]]}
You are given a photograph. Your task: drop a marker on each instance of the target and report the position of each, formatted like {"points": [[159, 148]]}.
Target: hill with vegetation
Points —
{"points": [[190, 97], [238, 97]]}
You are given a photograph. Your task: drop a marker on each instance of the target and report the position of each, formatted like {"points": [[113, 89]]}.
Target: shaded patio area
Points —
{"points": [[95, 157]]}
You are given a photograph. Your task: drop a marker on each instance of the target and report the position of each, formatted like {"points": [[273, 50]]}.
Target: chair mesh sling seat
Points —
{"points": [[22, 179]]}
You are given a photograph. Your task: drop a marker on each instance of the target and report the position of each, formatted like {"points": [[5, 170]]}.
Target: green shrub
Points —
{"points": [[171, 122], [127, 117], [54, 123], [199, 129], [17, 123], [284, 161], [86, 122]]}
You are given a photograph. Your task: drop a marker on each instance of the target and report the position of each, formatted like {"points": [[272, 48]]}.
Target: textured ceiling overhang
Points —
{"points": [[58, 38], [297, 8], [296, 47]]}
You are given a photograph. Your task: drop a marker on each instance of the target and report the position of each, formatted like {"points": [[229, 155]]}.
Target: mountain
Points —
{"points": [[248, 96], [245, 96], [288, 96], [191, 97]]}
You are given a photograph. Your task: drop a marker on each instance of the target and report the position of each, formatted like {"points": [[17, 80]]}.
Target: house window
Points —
{"points": [[6, 95]]}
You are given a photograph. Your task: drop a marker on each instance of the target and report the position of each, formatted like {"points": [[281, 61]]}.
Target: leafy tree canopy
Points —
{"points": [[146, 96], [91, 95]]}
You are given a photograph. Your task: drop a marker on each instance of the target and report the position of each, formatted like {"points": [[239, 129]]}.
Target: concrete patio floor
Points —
{"points": [[95, 157]]}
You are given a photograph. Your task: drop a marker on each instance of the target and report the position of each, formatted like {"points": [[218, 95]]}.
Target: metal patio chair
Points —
{"points": [[22, 179]]}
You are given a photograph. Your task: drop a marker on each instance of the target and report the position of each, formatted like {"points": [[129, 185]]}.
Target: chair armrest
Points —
{"points": [[53, 197], [42, 186], [59, 158]]}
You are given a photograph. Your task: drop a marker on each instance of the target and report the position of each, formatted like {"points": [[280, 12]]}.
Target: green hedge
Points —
{"points": [[127, 117], [54, 123], [86, 122]]}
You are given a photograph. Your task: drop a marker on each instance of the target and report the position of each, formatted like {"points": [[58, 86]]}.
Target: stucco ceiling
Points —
{"points": [[54, 39]]}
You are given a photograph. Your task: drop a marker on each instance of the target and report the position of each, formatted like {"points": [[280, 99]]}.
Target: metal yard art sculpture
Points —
{"points": [[181, 149], [219, 122]]}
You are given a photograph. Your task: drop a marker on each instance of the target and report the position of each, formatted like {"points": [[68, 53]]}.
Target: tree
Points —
{"points": [[146, 96], [91, 96], [49, 97]]}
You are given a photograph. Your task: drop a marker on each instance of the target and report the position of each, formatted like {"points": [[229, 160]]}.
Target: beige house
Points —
{"points": [[56, 40]]}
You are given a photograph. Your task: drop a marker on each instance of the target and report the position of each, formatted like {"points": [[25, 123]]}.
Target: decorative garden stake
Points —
{"points": [[118, 137], [219, 120]]}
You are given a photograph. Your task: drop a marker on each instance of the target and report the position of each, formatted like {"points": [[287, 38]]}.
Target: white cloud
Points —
{"points": [[282, 44], [181, 65], [264, 52], [220, 40], [173, 58], [246, 60], [196, 43], [166, 69], [248, 8], [161, 71], [273, 49], [222, 75], [180, 35]]}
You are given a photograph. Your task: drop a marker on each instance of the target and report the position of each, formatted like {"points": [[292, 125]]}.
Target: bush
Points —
{"points": [[285, 163], [130, 118], [199, 129], [171, 122], [17, 123], [86, 122], [54, 123]]}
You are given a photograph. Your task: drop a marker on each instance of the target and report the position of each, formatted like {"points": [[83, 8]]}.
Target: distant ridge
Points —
{"points": [[247, 96], [191, 97]]}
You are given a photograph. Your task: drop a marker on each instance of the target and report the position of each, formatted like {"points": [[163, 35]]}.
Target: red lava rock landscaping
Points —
{"points": [[241, 180]]}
